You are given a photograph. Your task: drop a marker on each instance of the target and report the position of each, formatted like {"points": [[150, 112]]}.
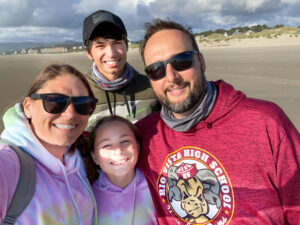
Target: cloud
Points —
{"points": [[290, 1], [62, 19], [40, 13], [38, 34]]}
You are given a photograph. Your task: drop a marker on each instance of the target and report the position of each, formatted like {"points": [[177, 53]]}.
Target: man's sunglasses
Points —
{"points": [[58, 103], [179, 62]]}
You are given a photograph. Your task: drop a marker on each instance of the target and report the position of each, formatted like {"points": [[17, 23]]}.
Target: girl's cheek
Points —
{"points": [[104, 154]]}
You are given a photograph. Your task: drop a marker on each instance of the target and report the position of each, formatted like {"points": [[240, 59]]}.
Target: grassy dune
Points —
{"points": [[268, 37]]}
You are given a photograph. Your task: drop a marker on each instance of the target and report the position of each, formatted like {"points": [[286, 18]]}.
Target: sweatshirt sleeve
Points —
{"points": [[288, 170], [9, 174]]}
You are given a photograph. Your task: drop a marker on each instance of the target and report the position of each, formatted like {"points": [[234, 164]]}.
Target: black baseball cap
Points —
{"points": [[99, 17]]}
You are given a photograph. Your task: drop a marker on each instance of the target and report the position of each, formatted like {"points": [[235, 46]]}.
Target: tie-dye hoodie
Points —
{"points": [[62, 193], [130, 206]]}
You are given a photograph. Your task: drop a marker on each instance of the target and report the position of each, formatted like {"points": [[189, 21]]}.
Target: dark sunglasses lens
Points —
{"points": [[55, 103], [182, 61], [179, 62], [156, 71], [84, 105]]}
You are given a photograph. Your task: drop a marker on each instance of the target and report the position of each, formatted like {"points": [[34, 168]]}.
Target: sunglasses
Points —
{"points": [[179, 62], [57, 103]]}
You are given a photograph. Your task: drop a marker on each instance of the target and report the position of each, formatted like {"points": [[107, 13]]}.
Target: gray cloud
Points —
{"points": [[40, 13], [59, 20]]}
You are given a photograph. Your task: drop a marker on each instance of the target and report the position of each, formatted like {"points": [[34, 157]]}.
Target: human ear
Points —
{"points": [[27, 107], [89, 55], [202, 62], [94, 157]]}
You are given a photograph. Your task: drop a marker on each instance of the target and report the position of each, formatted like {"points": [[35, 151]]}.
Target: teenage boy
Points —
{"points": [[119, 88]]}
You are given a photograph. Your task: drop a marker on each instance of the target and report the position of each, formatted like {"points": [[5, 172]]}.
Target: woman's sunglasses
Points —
{"points": [[179, 62], [58, 103]]}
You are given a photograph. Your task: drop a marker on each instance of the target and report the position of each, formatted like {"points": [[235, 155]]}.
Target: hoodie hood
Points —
{"points": [[228, 98], [104, 184], [18, 131]]}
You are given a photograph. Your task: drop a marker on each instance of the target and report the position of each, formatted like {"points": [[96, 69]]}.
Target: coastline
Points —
{"points": [[262, 68], [207, 43]]}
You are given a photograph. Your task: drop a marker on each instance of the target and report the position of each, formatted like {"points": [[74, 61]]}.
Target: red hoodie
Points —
{"points": [[238, 166]]}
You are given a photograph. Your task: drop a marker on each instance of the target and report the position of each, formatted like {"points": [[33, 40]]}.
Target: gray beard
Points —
{"points": [[199, 112], [193, 99]]}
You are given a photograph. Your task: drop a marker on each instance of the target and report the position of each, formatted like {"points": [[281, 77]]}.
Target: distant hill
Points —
{"points": [[11, 47], [269, 33]]}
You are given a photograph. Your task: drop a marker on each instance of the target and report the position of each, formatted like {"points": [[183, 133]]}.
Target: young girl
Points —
{"points": [[121, 190]]}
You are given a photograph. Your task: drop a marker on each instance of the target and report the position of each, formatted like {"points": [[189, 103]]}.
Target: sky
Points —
{"points": [[61, 20]]}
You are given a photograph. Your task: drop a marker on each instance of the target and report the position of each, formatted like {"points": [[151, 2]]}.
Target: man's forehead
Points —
{"points": [[164, 44], [168, 37]]}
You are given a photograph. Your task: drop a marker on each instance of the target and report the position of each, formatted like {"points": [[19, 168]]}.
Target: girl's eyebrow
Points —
{"points": [[108, 139], [125, 135]]}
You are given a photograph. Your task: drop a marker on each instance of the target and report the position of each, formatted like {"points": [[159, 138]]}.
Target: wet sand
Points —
{"points": [[270, 72]]}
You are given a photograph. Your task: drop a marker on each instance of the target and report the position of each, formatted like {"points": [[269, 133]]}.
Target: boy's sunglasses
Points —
{"points": [[179, 62], [58, 103]]}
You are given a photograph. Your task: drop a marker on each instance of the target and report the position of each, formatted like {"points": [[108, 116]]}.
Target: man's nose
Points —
{"points": [[171, 74]]}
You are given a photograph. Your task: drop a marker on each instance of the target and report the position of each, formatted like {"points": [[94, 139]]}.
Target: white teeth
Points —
{"points": [[120, 162], [65, 126], [111, 62]]}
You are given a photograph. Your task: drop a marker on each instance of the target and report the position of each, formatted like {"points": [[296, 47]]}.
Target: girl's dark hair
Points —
{"points": [[91, 167], [112, 118]]}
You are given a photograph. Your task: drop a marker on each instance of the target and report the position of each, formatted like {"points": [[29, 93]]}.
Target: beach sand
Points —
{"points": [[267, 71]]}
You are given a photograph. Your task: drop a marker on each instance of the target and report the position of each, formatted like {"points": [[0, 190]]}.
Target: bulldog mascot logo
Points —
{"points": [[196, 188]]}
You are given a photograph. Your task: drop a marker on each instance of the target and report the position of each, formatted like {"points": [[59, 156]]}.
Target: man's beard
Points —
{"points": [[192, 99]]}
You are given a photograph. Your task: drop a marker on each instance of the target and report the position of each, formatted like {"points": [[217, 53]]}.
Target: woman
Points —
{"points": [[51, 118]]}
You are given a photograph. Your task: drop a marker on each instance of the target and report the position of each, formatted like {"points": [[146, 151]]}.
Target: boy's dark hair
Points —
{"points": [[106, 31], [103, 24], [158, 25]]}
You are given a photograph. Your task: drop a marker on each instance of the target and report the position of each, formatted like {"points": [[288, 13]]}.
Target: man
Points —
{"points": [[118, 86], [213, 155]]}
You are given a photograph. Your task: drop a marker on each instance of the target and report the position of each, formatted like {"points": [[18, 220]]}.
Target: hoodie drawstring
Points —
{"points": [[133, 201], [109, 103], [71, 193], [126, 102], [92, 194]]}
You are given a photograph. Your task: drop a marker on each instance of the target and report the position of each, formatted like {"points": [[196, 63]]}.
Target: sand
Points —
{"points": [[267, 70]]}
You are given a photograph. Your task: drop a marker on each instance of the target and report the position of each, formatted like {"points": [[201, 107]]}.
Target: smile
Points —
{"points": [[176, 91], [119, 162], [65, 126], [112, 62]]}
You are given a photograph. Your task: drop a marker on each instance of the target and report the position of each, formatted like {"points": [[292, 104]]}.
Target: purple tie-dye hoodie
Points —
{"points": [[62, 195], [130, 206]]}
